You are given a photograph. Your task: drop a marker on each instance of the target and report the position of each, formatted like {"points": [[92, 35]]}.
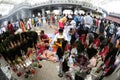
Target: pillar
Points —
{"points": [[30, 14], [79, 9], [17, 16], [60, 10], [51, 10], [43, 12], [11, 19], [76, 9], [23, 14]]}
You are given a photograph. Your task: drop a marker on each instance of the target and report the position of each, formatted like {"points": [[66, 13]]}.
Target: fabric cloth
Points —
{"points": [[61, 25], [60, 36], [29, 25], [45, 38], [96, 43], [10, 28], [88, 21], [104, 52], [102, 28], [61, 22], [92, 62], [22, 26]]}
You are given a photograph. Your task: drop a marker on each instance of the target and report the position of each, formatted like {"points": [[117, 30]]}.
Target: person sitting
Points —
{"points": [[44, 42], [44, 37]]}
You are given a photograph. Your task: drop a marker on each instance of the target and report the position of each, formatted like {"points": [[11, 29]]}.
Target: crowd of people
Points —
{"points": [[96, 39], [81, 40], [23, 25], [84, 41]]}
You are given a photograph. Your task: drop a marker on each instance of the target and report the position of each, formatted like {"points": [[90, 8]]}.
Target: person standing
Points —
{"points": [[10, 27], [62, 22], [88, 21], [22, 26], [102, 27], [29, 24]]}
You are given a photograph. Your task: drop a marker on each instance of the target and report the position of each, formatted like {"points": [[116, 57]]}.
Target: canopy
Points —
{"points": [[109, 5]]}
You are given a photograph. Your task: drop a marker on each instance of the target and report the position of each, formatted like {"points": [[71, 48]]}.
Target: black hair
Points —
{"points": [[88, 13], [95, 35], [91, 52], [60, 30], [80, 46], [42, 31], [104, 43], [101, 38], [8, 22]]}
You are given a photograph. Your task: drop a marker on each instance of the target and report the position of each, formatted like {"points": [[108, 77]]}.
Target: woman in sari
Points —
{"points": [[22, 25]]}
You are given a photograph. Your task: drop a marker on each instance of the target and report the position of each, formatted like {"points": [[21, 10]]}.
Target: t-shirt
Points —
{"points": [[88, 21], [44, 37], [58, 36]]}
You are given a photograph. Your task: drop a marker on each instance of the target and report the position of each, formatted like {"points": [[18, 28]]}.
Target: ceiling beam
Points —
{"points": [[7, 2]]}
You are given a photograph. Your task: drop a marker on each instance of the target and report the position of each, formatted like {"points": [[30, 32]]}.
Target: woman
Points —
{"points": [[10, 27], [62, 21], [102, 27], [22, 25]]}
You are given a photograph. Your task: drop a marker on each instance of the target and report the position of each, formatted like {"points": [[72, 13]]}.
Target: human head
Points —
{"points": [[42, 32], [61, 31], [88, 13], [8, 22]]}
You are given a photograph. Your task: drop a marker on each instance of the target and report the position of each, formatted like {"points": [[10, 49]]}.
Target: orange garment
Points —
{"points": [[51, 19], [22, 26], [63, 20]]}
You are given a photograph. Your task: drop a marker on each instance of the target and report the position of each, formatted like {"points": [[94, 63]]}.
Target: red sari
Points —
{"points": [[104, 52], [10, 28], [96, 43]]}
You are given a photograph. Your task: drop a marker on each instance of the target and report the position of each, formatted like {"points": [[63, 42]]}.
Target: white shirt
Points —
{"points": [[118, 31], [60, 36], [73, 23], [29, 25], [88, 21]]}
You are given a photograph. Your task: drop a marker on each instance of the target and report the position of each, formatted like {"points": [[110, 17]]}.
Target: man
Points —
{"points": [[44, 42], [60, 41], [88, 21], [59, 37], [43, 37]]}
